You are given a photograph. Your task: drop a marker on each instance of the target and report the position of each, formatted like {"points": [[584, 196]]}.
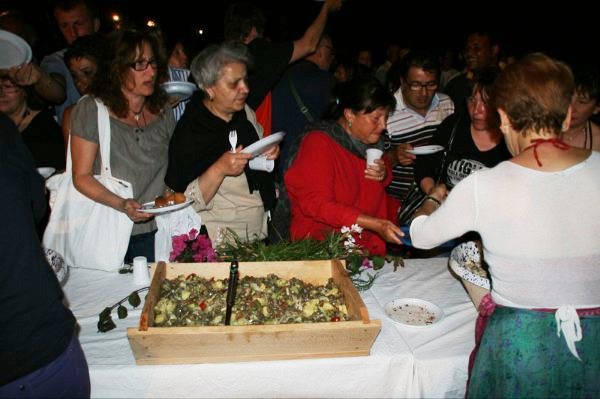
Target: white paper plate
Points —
{"points": [[14, 51], [426, 149], [46, 171], [181, 90], [149, 207], [412, 312], [464, 258], [260, 146]]}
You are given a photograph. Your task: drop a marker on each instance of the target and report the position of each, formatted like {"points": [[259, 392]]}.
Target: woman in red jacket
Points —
{"points": [[328, 182]]}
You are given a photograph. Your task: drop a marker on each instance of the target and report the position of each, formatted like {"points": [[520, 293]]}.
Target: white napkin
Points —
{"points": [[262, 163]]}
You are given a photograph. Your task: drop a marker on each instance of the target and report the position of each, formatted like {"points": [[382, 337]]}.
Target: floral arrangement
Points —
{"points": [[192, 247], [337, 244]]}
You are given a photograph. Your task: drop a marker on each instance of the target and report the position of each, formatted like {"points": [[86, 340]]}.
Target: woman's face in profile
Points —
{"points": [[230, 91], [367, 128]]}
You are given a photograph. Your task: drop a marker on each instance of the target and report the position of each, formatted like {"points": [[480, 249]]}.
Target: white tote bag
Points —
{"points": [[87, 233]]}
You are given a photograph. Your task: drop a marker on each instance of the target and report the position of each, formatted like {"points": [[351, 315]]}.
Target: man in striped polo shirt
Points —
{"points": [[419, 110]]}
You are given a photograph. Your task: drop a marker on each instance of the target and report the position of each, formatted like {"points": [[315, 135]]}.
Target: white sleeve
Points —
{"points": [[456, 216]]}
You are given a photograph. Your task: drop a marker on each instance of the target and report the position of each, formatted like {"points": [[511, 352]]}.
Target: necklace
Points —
{"points": [[139, 115]]}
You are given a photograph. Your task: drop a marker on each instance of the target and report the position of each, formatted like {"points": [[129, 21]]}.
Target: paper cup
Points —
{"points": [[141, 275], [262, 163], [372, 155]]}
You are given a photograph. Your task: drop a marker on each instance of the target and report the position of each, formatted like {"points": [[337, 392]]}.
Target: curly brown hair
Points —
{"points": [[124, 46]]}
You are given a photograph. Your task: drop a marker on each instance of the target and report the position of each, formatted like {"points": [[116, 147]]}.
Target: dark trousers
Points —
{"points": [[141, 245], [66, 377]]}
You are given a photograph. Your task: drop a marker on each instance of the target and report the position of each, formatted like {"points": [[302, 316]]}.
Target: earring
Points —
{"points": [[349, 124]]}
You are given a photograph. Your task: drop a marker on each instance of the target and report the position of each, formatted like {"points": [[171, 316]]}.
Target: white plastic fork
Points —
{"points": [[233, 140]]}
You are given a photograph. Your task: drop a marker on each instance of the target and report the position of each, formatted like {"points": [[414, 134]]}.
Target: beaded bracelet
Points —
{"points": [[437, 202]]}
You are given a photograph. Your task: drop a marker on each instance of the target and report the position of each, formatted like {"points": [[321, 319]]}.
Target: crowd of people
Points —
{"points": [[518, 167]]}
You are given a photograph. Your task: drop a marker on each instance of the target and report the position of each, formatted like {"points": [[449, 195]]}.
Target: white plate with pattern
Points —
{"points": [[465, 261]]}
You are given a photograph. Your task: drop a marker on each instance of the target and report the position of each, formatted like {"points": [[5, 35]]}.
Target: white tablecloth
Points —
{"points": [[404, 361]]}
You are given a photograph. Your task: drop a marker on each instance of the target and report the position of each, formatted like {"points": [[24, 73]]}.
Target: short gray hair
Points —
{"points": [[206, 66]]}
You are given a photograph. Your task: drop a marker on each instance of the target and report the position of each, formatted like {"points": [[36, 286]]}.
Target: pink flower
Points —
{"points": [[192, 247]]}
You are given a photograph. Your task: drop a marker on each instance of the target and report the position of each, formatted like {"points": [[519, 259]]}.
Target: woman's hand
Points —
{"points": [[233, 163], [272, 152], [131, 206], [383, 227], [405, 158], [376, 172]]}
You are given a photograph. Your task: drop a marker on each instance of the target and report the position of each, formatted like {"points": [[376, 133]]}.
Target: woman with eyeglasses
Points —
{"points": [[37, 127], [141, 125]]}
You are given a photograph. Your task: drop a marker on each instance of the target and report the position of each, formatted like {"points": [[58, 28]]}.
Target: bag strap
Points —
{"points": [[299, 102], [103, 142], [448, 149], [104, 138]]}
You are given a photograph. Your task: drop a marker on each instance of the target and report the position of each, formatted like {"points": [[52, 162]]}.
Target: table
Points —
{"points": [[404, 361]]}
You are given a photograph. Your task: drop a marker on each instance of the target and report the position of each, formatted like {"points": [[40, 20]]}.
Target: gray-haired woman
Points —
{"points": [[226, 192]]}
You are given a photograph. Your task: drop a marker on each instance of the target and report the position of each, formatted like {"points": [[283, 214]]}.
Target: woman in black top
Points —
{"points": [[476, 143]]}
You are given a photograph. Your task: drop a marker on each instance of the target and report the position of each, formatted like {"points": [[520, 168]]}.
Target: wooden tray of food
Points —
{"points": [[215, 344]]}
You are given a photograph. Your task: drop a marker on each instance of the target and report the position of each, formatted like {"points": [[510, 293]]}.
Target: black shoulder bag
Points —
{"points": [[416, 196]]}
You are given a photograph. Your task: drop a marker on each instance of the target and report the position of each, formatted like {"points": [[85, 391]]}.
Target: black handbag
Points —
{"points": [[416, 196]]}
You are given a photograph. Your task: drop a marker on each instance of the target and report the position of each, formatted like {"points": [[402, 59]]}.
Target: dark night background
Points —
{"points": [[569, 32]]}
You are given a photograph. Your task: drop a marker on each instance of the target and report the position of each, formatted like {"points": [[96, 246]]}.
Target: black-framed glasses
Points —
{"points": [[142, 65], [416, 86]]}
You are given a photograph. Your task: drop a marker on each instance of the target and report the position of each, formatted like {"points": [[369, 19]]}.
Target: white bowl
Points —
{"points": [[58, 265]]}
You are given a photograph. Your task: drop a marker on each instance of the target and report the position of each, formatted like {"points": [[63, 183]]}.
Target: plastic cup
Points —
{"points": [[372, 155], [141, 275]]}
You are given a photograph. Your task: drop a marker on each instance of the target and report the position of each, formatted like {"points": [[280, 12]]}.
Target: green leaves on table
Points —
{"points": [[105, 321]]}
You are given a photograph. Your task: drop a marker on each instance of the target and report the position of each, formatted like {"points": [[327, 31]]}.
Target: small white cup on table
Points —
{"points": [[141, 275]]}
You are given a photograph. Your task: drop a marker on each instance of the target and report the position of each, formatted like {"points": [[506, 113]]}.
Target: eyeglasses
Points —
{"points": [[142, 65], [8, 89], [416, 86]]}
